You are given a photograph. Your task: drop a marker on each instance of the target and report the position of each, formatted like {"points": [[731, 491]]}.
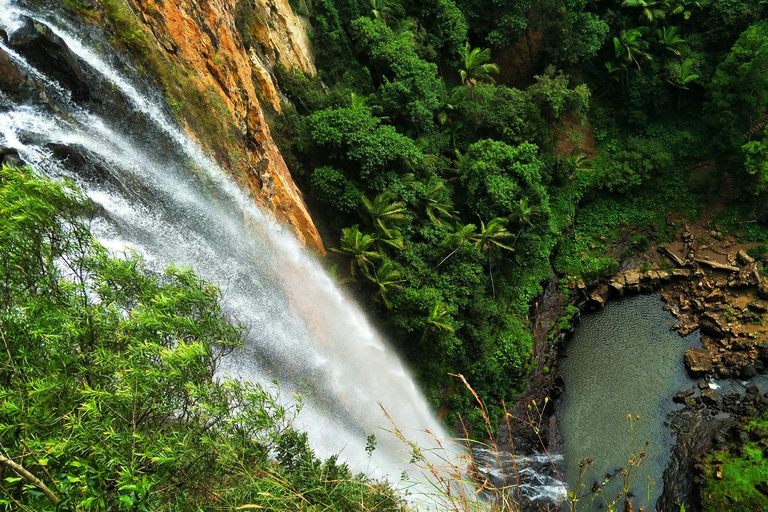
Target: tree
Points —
{"points": [[475, 67], [630, 47], [386, 277], [386, 10], [462, 233], [438, 320], [385, 214], [359, 247], [522, 214], [650, 10], [495, 234], [681, 76], [669, 39], [437, 201], [494, 175]]}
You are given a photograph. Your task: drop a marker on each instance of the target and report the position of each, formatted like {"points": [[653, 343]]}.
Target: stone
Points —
{"points": [[748, 372], [632, 279], [682, 395], [709, 396], [758, 306], [750, 275], [703, 384], [762, 290], [596, 299], [681, 273], [663, 275], [712, 324], [698, 361], [745, 258], [715, 295], [758, 434], [617, 288]]}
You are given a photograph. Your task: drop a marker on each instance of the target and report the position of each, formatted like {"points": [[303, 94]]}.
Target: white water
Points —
{"points": [[162, 197]]}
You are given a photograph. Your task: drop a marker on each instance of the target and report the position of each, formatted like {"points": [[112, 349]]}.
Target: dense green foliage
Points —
{"points": [[107, 387], [456, 195]]}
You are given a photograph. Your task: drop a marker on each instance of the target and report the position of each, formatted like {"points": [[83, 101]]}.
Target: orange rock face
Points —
{"points": [[203, 39]]}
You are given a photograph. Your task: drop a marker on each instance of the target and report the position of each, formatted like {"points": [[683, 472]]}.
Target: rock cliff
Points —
{"points": [[214, 58]]}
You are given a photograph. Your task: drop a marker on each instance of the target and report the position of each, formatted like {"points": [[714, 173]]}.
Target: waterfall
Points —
{"points": [[159, 195]]}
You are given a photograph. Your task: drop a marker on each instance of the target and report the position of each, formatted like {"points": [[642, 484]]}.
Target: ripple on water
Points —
{"points": [[623, 360]]}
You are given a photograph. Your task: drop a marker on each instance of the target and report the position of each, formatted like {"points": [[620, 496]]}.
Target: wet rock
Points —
{"points": [[748, 372], [617, 288], [698, 361], [709, 397], [682, 395], [703, 384], [596, 300]]}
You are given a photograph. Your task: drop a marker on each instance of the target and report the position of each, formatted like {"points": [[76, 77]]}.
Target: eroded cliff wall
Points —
{"points": [[214, 59]]}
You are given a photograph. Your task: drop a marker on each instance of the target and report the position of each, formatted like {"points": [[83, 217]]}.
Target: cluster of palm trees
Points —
{"points": [[632, 46], [385, 215]]}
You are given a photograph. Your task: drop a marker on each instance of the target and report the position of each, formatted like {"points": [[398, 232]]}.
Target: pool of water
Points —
{"points": [[623, 360]]}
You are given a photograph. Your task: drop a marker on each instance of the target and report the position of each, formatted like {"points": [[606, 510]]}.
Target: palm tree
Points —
{"points": [[474, 65], [684, 7], [575, 162], [358, 246], [669, 38], [630, 46], [489, 236], [437, 201], [651, 10], [437, 320], [386, 214], [522, 213], [386, 277], [387, 10], [461, 234], [682, 76]]}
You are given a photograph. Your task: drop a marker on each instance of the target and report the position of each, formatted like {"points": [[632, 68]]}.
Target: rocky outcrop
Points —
{"points": [[214, 59]]}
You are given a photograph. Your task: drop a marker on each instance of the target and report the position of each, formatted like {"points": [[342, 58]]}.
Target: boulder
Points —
{"points": [[698, 361], [632, 279], [617, 288], [748, 372], [712, 324], [596, 300], [709, 396], [750, 275], [682, 395]]}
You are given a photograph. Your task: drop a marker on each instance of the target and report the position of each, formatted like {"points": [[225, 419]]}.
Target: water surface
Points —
{"points": [[623, 360]]}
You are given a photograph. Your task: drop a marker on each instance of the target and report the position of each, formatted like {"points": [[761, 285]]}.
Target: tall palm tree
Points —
{"points": [[437, 201], [386, 277], [651, 10], [630, 46], [682, 76], [387, 10], [684, 7], [669, 38], [522, 213], [461, 235], [492, 235], [437, 320], [475, 66], [385, 213], [359, 247]]}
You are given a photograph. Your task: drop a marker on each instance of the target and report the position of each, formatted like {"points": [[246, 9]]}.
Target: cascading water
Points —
{"points": [[160, 196]]}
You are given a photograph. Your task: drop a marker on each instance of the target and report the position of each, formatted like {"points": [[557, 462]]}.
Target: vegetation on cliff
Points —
{"points": [[108, 399]]}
